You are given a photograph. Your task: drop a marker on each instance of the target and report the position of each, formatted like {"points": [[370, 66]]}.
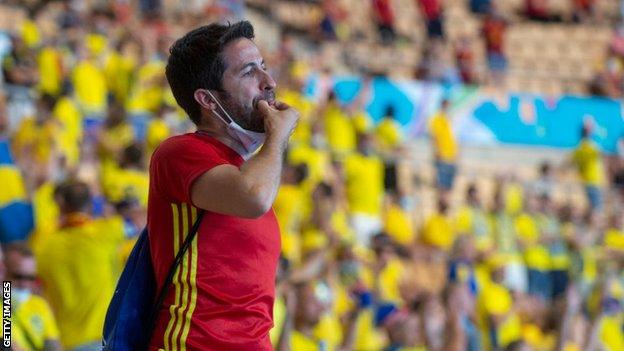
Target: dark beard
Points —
{"points": [[247, 117]]}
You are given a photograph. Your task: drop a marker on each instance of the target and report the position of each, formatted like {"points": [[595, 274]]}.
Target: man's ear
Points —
{"points": [[204, 99]]}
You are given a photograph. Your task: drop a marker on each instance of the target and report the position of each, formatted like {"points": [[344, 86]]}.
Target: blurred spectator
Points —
{"points": [[79, 266], [499, 319], [494, 28], [307, 306], [384, 17], [33, 324], [437, 66], [544, 185], [508, 254], [536, 256], [608, 80], [19, 68], [398, 223], [438, 230], [331, 25], [35, 140], [432, 12], [364, 170], [128, 178], [339, 130], [472, 219], [367, 262], [588, 160], [388, 133], [465, 60], [444, 148]]}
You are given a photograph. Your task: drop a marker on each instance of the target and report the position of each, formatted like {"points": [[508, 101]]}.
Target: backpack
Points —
{"points": [[132, 312]]}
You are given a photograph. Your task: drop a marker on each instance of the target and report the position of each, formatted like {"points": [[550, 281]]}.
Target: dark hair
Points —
{"points": [[74, 196], [133, 155], [195, 62], [19, 247]]}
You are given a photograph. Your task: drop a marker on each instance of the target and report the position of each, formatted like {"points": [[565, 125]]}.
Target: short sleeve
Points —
{"points": [[178, 162]]}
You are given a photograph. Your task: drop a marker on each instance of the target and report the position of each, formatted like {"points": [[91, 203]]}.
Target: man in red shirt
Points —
{"points": [[222, 293]]}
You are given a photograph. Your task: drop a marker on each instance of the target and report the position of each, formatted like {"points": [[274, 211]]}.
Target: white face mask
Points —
{"points": [[250, 140]]}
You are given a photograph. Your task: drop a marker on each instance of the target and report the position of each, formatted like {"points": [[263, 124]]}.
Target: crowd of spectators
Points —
{"points": [[364, 266]]}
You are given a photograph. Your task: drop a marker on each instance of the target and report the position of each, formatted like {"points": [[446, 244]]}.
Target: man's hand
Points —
{"points": [[280, 121]]}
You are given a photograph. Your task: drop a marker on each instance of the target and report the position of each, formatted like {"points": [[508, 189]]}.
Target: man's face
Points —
{"points": [[21, 270], [245, 82]]}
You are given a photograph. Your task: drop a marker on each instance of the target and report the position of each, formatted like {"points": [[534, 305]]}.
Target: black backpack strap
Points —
{"points": [[174, 267]]}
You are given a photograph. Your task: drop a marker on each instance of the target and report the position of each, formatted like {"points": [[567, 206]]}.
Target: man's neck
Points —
{"points": [[225, 138]]}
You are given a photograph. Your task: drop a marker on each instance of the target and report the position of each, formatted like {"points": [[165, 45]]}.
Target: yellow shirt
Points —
{"points": [[279, 316], [538, 339], [496, 300], [30, 33], [117, 137], [148, 95], [339, 131], [398, 224], [438, 232], [475, 222], [32, 322], [389, 134], [301, 342], [79, 267], [340, 224], [443, 138], [302, 133], [119, 183], [50, 74], [317, 161], [536, 255], [614, 239], [46, 213], [611, 334], [119, 71], [288, 207], [364, 178], [367, 337], [90, 87], [38, 140], [157, 131], [589, 163], [362, 122], [514, 198], [329, 329], [389, 281], [70, 135]]}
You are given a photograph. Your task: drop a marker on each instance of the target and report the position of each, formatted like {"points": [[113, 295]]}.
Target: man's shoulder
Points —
{"points": [[182, 144]]}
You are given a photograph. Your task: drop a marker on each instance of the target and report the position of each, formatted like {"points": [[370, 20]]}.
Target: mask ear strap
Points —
{"points": [[222, 109]]}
